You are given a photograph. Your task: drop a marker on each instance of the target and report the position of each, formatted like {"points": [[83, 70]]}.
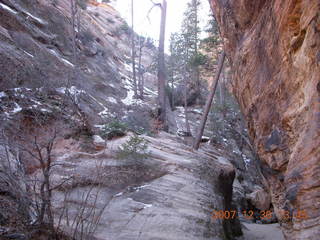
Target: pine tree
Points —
{"points": [[191, 31]]}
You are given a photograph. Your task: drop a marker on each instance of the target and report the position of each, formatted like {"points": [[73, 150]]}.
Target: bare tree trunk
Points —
{"points": [[133, 54], [185, 78], [186, 105], [209, 102], [172, 81], [172, 92], [142, 85], [161, 67], [140, 74]]}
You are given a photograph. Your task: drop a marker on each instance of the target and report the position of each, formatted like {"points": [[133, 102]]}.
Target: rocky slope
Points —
{"points": [[36, 51], [274, 48]]}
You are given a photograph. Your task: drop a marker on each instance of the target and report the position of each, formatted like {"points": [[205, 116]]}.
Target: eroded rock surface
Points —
{"points": [[274, 48], [169, 195]]}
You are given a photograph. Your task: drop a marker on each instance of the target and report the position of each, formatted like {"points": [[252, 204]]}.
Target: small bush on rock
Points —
{"points": [[114, 129], [135, 149]]}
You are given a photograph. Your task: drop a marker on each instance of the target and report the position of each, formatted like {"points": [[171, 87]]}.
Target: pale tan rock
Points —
{"points": [[260, 199], [98, 142], [274, 50]]}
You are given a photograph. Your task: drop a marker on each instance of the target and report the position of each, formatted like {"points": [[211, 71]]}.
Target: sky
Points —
{"points": [[150, 27]]}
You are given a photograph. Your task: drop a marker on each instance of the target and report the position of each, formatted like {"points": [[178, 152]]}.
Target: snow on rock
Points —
{"points": [[29, 54], [246, 160], [112, 100], [73, 90], [61, 58], [141, 187], [7, 8], [39, 20], [147, 205], [100, 126], [17, 108], [130, 100], [119, 194], [105, 113], [3, 94], [127, 67], [45, 110], [150, 91]]}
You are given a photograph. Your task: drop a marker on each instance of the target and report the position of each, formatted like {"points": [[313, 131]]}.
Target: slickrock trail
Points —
{"points": [[169, 195]]}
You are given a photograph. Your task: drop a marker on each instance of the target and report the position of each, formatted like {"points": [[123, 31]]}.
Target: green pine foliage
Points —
{"points": [[134, 149], [114, 129]]}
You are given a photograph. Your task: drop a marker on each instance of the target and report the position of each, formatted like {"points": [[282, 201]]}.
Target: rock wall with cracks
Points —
{"points": [[274, 49]]}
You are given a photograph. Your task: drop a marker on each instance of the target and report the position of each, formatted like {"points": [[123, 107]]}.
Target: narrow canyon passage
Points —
{"points": [[98, 120]]}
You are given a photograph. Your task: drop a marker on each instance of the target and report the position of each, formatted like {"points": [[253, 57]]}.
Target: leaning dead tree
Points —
{"points": [[209, 102]]}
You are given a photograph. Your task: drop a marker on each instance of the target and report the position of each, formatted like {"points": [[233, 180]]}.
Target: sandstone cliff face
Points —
{"points": [[274, 48]]}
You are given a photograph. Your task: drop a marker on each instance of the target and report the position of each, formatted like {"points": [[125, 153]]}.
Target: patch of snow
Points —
{"points": [[147, 205], [45, 110], [98, 140], [129, 100], [99, 126], [2, 94], [17, 108], [17, 90], [61, 90], [197, 110], [73, 90], [148, 90], [127, 67], [61, 58], [35, 101], [29, 54], [39, 20], [67, 62], [119, 194], [111, 99], [205, 138], [9, 9], [246, 160], [105, 112], [140, 187]]}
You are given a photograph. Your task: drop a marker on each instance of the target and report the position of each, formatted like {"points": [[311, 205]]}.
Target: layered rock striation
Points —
{"points": [[274, 49]]}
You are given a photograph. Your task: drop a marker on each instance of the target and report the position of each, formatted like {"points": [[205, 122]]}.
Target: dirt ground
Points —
{"points": [[262, 232]]}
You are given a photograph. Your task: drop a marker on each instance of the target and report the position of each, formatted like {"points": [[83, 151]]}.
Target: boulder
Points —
{"points": [[98, 142], [260, 199]]}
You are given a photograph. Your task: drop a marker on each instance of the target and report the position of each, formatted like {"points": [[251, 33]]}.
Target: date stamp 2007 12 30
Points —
{"points": [[262, 215]]}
